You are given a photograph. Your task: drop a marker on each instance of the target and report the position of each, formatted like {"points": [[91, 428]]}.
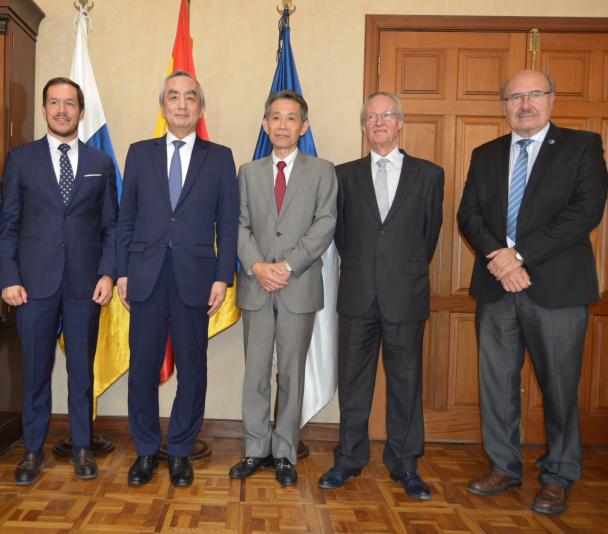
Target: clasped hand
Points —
{"points": [[508, 270], [271, 276]]}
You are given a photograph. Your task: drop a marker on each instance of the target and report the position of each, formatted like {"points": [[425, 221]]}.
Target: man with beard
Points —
{"points": [[57, 261]]}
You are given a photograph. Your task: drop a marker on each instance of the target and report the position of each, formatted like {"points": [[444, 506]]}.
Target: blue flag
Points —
{"points": [[285, 78]]}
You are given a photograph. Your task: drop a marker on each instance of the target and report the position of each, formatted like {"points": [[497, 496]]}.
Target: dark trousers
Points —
{"points": [[148, 332], [37, 323], [555, 339], [358, 345]]}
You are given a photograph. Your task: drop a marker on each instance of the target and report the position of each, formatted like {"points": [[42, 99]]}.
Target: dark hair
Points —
{"points": [[62, 81], [287, 95], [175, 74]]}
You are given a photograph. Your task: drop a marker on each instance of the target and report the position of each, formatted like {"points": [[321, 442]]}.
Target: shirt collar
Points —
{"points": [[539, 137], [54, 143], [288, 160], [394, 156], [189, 139]]}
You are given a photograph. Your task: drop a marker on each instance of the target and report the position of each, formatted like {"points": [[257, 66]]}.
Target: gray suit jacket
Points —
{"points": [[300, 234]]}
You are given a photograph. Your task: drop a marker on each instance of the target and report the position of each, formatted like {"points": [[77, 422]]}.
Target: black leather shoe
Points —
{"points": [[249, 465], [180, 471], [414, 486], [28, 470], [285, 472], [142, 470], [337, 476], [84, 464]]}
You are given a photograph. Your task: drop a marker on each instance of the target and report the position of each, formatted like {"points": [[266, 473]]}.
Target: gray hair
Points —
{"points": [[287, 95], [548, 78], [395, 100], [175, 74]]}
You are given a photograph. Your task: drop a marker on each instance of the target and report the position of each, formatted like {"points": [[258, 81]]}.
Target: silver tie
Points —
{"points": [[381, 187]]}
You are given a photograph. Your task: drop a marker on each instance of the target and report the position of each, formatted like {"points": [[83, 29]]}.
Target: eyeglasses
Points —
{"points": [[533, 96], [382, 117]]}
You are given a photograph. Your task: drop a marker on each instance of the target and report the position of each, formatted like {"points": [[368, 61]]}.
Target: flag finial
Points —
{"points": [[287, 5], [84, 6]]}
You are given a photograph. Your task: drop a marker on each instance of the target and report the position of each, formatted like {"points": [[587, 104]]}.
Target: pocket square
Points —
{"points": [[92, 174]]}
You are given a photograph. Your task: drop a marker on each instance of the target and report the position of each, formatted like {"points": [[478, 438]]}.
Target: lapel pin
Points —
{"points": [[551, 142]]}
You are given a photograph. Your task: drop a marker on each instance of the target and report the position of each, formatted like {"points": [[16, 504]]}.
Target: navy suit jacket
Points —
{"points": [[41, 238], [563, 201], [147, 226]]}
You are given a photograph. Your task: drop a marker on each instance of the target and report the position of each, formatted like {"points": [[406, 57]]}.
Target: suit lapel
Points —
{"points": [[83, 163], [266, 183], [501, 159], [408, 176], [199, 154], [159, 157], [43, 153], [298, 173], [363, 175], [545, 155]]}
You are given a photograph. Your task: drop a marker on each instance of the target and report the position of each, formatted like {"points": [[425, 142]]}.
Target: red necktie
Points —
{"points": [[280, 185]]}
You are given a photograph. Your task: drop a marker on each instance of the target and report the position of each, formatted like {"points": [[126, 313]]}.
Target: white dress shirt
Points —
{"points": [[289, 160], [533, 150], [56, 153], [185, 152], [393, 171]]}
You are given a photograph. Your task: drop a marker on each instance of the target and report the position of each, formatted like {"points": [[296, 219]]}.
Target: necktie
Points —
{"points": [[280, 185], [517, 188], [175, 174], [66, 174], [381, 188]]}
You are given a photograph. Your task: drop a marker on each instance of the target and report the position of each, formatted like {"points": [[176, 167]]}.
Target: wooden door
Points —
{"points": [[449, 82]]}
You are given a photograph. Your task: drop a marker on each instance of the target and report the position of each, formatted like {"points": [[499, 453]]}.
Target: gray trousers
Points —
{"points": [[292, 332], [555, 339]]}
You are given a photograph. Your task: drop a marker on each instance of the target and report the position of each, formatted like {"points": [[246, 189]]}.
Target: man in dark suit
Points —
{"points": [[180, 196], [530, 200], [57, 262], [287, 221], [389, 217]]}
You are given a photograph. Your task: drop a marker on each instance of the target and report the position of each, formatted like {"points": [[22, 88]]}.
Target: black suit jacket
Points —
{"points": [[41, 238], [563, 201], [388, 261]]}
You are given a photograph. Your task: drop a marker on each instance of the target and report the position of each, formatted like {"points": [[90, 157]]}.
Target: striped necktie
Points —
{"points": [[517, 188]]}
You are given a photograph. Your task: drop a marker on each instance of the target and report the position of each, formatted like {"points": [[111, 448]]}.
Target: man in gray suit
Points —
{"points": [[287, 221]]}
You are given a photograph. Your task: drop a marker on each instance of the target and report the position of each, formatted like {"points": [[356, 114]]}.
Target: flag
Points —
{"points": [[183, 59], [321, 361], [112, 356]]}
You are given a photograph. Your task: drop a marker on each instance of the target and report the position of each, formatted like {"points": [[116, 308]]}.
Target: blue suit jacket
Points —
{"points": [[41, 238], [147, 225]]}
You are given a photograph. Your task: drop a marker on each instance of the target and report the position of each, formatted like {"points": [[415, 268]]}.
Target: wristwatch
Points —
{"points": [[518, 256], [288, 267]]}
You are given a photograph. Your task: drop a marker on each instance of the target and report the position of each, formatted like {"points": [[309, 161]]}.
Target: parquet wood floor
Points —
{"points": [[60, 504]]}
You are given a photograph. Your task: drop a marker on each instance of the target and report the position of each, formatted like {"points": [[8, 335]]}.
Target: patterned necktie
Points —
{"points": [[175, 174], [66, 174], [381, 188], [517, 188], [280, 185]]}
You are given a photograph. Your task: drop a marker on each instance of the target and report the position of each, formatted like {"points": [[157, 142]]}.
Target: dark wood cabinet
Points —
{"points": [[19, 21]]}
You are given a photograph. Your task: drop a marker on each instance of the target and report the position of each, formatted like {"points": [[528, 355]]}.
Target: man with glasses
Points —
{"points": [[389, 217], [530, 200]]}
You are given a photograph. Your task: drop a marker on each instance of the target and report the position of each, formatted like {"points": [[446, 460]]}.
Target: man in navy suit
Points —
{"points": [[530, 200], [179, 196], [57, 260]]}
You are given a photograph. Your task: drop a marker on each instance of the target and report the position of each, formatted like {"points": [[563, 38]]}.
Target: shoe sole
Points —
{"points": [[549, 512], [418, 497], [330, 486], [182, 484], [498, 491], [292, 483], [30, 482]]}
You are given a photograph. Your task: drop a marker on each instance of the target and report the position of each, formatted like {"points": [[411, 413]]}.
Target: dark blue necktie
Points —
{"points": [[517, 188], [175, 174], [66, 174]]}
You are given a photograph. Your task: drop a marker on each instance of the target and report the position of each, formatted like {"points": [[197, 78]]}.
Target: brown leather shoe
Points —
{"points": [[28, 470], [84, 464], [551, 499], [492, 483]]}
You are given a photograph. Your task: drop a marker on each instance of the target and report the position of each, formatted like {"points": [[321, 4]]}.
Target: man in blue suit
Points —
{"points": [[179, 196], [57, 260]]}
